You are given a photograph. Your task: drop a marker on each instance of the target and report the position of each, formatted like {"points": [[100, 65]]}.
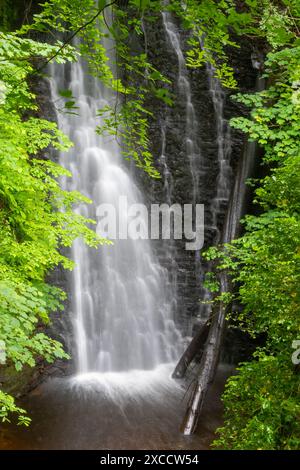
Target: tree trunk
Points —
{"points": [[193, 348], [231, 229], [208, 366]]}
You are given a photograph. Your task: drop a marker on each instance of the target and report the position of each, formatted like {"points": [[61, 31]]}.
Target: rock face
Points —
{"points": [[168, 135]]}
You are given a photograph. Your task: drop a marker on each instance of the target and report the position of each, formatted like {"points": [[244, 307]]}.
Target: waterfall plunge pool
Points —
{"points": [[121, 321], [114, 411]]}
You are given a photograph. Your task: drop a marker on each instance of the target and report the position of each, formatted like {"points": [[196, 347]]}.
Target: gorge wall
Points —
{"points": [[199, 119], [216, 150]]}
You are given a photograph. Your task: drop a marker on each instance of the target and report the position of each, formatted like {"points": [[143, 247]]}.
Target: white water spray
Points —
{"points": [[122, 317]]}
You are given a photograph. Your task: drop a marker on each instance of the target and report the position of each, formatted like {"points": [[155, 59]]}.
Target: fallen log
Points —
{"points": [[210, 357], [193, 348], [208, 367]]}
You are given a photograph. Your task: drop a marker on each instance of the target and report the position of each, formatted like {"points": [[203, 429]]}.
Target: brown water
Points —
{"points": [[75, 417]]}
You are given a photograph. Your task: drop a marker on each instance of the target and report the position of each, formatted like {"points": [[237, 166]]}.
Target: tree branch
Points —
{"points": [[74, 34]]}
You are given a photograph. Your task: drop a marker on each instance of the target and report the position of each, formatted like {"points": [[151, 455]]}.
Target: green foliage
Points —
{"points": [[211, 23], [36, 215], [275, 115], [128, 119], [211, 283], [8, 406], [262, 402], [277, 24], [262, 406]]}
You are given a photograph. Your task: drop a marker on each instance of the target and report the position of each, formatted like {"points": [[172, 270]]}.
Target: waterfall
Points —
{"points": [[167, 175], [219, 203], [122, 317], [192, 149], [223, 185], [197, 161]]}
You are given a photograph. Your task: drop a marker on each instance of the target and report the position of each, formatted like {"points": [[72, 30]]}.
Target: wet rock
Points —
{"points": [[171, 124]]}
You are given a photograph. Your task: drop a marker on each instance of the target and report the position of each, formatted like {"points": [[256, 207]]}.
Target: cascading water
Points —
{"points": [[223, 183], [121, 314], [224, 178], [167, 175], [192, 149], [122, 396], [218, 205]]}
